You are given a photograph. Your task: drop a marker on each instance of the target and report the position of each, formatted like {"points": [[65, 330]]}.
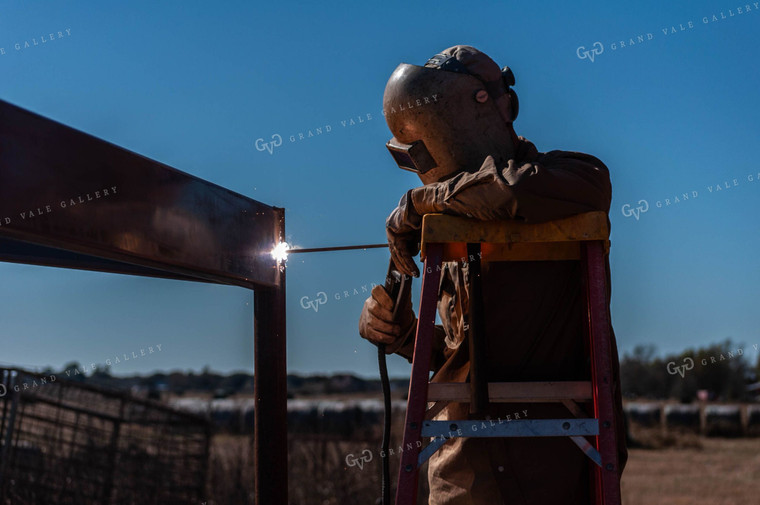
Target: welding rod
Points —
{"points": [[339, 248]]}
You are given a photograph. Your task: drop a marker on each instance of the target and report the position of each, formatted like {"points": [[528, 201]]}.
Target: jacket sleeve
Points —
{"points": [[439, 355], [557, 184]]}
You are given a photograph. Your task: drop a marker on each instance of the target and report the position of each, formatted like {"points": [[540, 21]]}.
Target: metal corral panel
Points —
{"points": [[66, 442]]}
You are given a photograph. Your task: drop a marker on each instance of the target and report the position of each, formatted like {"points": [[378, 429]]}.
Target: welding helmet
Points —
{"points": [[449, 114]]}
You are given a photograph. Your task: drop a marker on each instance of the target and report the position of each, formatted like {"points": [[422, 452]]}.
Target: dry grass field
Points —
{"points": [[683, 470]]}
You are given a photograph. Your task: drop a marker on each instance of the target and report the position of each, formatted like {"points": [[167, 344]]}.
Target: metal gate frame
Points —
{"points": [[71, 200]]}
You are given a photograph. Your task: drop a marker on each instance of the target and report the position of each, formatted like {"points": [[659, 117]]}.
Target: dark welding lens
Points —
{"points": [[403, 159], [413, 157]]}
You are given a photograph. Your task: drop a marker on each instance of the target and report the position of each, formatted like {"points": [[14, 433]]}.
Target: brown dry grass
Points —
{"points": [[318, 473]]}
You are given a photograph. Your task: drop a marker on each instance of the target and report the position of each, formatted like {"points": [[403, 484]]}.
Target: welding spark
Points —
{"points": [[280, 252]]}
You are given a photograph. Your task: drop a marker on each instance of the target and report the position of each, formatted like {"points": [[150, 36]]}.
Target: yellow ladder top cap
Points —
{"points": [[442, 228]]}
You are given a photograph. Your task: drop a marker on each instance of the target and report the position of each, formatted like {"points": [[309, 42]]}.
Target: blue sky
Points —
{"points": [[194, 84]]}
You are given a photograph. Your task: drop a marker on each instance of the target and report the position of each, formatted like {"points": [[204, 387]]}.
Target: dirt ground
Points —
{"points": [[721, 472]]}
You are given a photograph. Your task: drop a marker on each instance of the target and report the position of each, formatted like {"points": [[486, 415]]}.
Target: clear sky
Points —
{"points": [[195, 84]]}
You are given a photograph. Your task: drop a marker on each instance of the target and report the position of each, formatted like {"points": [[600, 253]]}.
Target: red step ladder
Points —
{"points": [[583, 237]]}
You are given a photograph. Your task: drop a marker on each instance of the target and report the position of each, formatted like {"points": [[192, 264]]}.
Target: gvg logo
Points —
{"points": [[688, 364], [636, 212], [590, 54], [269, 146], [366, 457], [321, 299]]}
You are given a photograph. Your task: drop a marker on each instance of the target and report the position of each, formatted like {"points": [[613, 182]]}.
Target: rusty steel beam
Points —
{"points": [[16, 251], [61, 189], [270, 390]]}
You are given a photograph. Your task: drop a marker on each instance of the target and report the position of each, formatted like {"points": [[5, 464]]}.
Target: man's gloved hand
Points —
{"points": [[403, 230], [376, 322]]}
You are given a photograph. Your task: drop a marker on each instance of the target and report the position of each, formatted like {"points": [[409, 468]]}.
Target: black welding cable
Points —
{"points": [[398, 288], [386, 471]]}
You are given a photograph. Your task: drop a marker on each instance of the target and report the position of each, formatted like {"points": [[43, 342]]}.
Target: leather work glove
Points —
{"points": [[376, 322], [403, 230]]}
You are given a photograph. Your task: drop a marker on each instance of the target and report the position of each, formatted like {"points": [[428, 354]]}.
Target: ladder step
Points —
{"points": [[516, 428], [508, 392], [575, 429]]}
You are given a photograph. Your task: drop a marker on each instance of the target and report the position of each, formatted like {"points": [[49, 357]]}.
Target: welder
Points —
{"points": [[471, 162]]}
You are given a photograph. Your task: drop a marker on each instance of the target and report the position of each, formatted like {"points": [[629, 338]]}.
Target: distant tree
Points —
{"points": [[102, 371], [643, 375], [72, 370], [721, 369], [234, 383], [207, 380], [179, 382]]}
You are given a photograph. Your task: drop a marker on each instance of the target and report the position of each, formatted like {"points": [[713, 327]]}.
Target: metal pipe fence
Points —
{"points": [[64, 442]]}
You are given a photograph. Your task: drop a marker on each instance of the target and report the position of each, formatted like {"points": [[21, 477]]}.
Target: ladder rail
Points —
{"points": [[406, 492], [607, 476]]}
